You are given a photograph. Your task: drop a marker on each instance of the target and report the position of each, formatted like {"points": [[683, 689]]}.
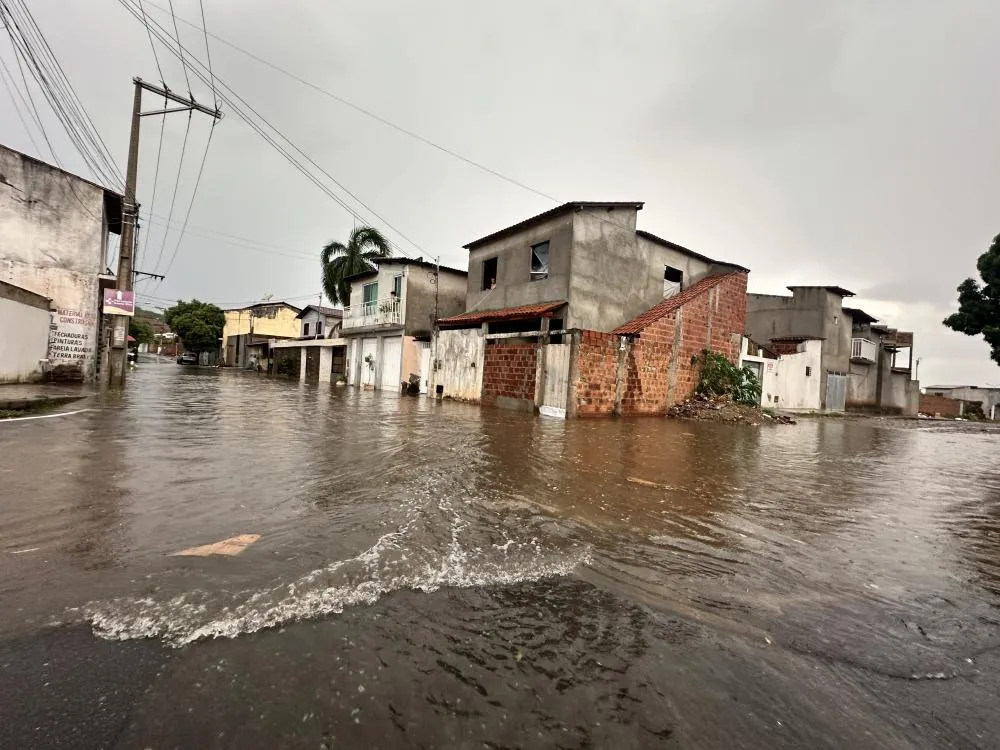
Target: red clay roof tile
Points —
{"points": [[542, 309], [667, 306]]}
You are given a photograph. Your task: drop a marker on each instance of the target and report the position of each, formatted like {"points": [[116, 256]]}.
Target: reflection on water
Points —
{"points": [[863, 545]]}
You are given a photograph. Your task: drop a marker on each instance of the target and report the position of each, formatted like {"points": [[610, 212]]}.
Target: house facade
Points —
{"points": [[250, 332], [24, 334], [863, 365], [319, 354], [390, 320], [55, 229], [574, 312]]}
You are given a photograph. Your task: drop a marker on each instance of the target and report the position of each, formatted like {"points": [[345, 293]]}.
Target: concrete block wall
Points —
{"points": [[596, 367], [509, 371], [946, 407], [659, 369]]}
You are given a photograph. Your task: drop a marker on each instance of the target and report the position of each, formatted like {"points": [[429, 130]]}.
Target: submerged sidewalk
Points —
{"points": [[20, 396]]}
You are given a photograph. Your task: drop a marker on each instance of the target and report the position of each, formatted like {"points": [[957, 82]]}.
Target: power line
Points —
{"points": [[156, 175], [365, 112], [231, 101], [9, 85], [208, 52], [152, 46], [177, 33], [194, 193], [173, 198], [31, 46]]}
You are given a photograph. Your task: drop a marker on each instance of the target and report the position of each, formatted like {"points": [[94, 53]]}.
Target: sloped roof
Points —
{"points": [[550, 214], [667, 306], [540, 310], [330, 312]]}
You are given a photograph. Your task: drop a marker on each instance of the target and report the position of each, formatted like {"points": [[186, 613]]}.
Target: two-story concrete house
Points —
{"points": [[586, 261], [389, 322], [546, 293], [861, 363], [250, 332]]}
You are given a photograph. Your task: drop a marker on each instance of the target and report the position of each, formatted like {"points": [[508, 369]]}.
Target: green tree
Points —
{"points": [[979, 306], [140, 330], [340, 261], [198, 324]]}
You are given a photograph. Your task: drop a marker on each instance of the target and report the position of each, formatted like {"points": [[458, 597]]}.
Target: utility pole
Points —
{"points": [[130, 216]]}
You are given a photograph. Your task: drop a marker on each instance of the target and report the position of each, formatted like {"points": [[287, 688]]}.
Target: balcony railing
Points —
{"points": [[378, 312], [864, 350]]}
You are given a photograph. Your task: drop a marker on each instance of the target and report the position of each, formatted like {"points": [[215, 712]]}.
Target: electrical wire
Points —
{"points": [[180, 46], [31, 47], [362, 110], [187, 216], [76, 110], [9, 85], [208, 53], [152, 200], [173, 198], [152, 46], [234, 102]]}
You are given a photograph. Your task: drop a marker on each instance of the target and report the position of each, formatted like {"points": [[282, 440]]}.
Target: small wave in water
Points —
{"points": [[397, 561]]}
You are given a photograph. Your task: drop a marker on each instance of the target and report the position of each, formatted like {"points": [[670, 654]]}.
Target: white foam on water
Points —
{"points": [[397, 561]]}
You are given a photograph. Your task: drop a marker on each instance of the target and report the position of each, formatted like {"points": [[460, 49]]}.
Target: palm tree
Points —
{"points": [[341, 261]]}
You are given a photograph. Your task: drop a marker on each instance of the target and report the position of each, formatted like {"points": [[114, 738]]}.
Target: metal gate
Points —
{"points": [[836, 392], [555, 363], [392, 355]]}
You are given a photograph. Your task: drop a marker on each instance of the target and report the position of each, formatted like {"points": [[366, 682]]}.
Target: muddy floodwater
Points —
{"points": [[439, 575]]}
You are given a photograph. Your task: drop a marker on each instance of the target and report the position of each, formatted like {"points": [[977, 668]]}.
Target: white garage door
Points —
{"points": [[392, 355], [369, 349]]}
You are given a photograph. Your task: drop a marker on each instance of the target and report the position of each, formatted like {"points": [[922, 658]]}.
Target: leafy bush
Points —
{"points": [[721, 378]]}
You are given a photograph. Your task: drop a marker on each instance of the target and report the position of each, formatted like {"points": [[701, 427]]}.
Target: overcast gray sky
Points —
{"points": [[852, 143]]}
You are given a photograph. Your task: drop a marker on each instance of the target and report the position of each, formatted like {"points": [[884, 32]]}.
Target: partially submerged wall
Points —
{"points": [[509, 374], [458, 368]]}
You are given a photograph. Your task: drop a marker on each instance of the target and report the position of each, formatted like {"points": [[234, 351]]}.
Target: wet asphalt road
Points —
{"points": [[436, 575]]}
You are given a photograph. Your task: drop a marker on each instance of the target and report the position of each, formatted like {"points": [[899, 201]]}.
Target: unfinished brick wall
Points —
{"points": [[659, 372], [596, 367], [934, 404], [509, 371]]}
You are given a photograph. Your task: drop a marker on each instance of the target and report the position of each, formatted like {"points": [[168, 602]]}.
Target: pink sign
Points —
{"points": [[119, 302]]}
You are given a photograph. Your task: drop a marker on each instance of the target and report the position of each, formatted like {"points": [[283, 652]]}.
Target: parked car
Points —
{"points": [[188, 358]]}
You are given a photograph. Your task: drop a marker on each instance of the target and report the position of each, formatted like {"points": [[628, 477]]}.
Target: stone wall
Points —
{"points": [[509, 372]]}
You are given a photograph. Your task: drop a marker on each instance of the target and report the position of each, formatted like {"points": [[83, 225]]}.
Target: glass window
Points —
{"points": [[319, 327], [370, 292], [397, 286], [305, 329], [540, 261]]}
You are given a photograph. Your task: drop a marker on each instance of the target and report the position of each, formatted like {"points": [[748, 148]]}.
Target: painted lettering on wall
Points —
{"points": [[72, 335]]}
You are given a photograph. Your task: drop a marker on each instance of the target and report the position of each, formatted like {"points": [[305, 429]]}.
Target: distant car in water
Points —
{"points": [[188, 358]]}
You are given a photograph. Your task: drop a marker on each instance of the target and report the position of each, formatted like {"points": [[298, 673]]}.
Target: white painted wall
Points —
{"points": [[459, 356], [798, 390], [24, 334], [784, 382], [53, 235]]}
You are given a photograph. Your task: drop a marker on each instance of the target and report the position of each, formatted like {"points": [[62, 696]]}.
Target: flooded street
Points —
{"points": [[439, 575]]}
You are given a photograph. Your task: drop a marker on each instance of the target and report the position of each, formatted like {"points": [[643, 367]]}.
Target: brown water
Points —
{"points": [[441, 575]]}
